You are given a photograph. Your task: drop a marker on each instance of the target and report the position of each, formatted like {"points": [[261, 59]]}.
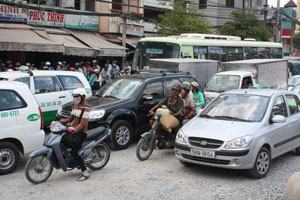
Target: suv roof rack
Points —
{"points": [[164, 72]]}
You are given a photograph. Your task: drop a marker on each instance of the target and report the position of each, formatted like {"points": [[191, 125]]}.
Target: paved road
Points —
{"points": [[160, 177]]}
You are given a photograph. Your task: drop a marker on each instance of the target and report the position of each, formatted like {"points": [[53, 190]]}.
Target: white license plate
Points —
{"points": [[203, 153]]}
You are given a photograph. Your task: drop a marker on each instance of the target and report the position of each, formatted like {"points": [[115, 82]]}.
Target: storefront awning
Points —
{"points": [[97, 42], [26, 39], [72, 46]]}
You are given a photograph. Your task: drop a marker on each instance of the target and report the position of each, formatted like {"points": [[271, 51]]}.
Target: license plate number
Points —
{"points": [[203, 153]]}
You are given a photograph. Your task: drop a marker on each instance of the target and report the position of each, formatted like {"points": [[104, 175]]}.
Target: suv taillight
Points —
{"points": [[42, 118]]}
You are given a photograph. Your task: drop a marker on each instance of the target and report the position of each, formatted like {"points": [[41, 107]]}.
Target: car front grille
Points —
{"points": [[205, 142], [207, 160]]}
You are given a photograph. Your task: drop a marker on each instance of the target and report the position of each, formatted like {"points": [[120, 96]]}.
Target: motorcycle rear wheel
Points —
{"points": [[101, 157], [144, 149], [35, 168]]}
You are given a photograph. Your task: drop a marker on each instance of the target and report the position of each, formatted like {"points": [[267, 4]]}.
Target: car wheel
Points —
{"points": [[9, 157], [262, 164], [121, 135]]}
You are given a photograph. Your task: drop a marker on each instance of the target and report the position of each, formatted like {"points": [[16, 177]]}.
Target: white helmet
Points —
{"points": [[79, 92], [47, 63]]}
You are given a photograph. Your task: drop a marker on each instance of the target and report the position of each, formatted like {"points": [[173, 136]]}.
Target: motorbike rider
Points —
{"points": [[173, 102], [78, 122], [198, 97], [189, 106]]}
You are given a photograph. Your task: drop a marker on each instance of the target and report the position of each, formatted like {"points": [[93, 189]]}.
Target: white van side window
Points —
{"points": [[10, 100], [45, 84], [70, 82]]}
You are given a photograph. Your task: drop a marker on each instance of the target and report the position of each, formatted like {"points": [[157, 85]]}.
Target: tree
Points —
{"points": [[245, 25], [297, 41], [181, 20]]}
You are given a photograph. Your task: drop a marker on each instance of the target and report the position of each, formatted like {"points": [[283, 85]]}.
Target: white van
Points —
{"points": [[21, 124], [51, 89]]}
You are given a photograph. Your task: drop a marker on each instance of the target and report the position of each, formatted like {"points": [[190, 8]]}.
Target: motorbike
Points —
{"points": [[94, 151], [157, 137]]}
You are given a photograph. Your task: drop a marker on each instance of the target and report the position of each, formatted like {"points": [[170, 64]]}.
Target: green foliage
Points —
{"points": [[180, 21], [246, 26], [297, 41]]}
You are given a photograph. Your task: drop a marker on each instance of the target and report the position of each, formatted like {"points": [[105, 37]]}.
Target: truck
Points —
{"points": [[258, 73], [202, 70]]}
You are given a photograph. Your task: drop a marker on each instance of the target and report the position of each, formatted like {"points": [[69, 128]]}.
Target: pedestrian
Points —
{"points": [[126, 69], [115, 70], [2, 66], [90, 76], [17, 65], [59, 66], [10, 66], [82, 67], [48, 66], [96, 68], [104, 75], [64, 66]]}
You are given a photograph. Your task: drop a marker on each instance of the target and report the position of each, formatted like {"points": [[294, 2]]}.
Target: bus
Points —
{"points": [[203, 46]]}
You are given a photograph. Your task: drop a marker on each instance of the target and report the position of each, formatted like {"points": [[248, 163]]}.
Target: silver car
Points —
{"points": [[242, 129]]}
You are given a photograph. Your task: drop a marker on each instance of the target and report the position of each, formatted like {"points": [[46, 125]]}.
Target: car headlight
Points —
{"points": [[96, 114], [180, 137], [238, 143]]}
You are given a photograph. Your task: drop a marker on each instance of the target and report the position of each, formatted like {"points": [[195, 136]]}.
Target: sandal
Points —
{"points": [[82, 178], [85, 175]]}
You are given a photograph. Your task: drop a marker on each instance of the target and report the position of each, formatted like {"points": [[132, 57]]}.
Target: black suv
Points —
{"points": [[124, 104]]}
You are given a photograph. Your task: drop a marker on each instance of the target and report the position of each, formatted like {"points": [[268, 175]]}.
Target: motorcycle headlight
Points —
{"points": [[96, 114], [238, 143], [180, 137]]}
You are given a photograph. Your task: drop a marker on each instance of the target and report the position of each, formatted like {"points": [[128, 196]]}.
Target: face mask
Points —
{"points": [[77, 100]]}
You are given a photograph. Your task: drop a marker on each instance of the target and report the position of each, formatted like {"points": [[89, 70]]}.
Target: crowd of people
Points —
{"points": [[96, 75]]}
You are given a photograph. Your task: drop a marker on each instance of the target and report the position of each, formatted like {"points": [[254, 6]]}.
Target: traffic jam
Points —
{"points": [[235, 115]]}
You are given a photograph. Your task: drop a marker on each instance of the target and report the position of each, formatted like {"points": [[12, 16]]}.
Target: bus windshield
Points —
{"points": [[148, 50]]}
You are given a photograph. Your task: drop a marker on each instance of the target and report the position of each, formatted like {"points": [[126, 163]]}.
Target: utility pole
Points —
{"points": [[278, 37], [243, 6], [124, 30]]}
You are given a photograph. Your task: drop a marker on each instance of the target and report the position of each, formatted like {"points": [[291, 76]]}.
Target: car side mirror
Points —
{"points": [[278, 119], [147, 97]]}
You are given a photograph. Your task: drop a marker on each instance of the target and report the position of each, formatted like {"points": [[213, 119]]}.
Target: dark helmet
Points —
{"points": [[186, 86], [176, 85]]}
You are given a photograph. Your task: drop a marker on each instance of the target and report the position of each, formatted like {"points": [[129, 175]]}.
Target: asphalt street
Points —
{"points": [[161, 177]]}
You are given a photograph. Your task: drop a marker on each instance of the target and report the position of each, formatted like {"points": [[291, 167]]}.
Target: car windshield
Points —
{"points": [[237, 107], [121, 89], [221, 83]]}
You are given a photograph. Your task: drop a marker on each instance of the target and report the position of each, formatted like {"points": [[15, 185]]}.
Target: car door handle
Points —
{"points": [[61, 97]]}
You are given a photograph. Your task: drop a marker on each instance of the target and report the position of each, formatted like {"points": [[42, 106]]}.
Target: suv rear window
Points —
{"points": [[70, 82], [10, 100]]}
